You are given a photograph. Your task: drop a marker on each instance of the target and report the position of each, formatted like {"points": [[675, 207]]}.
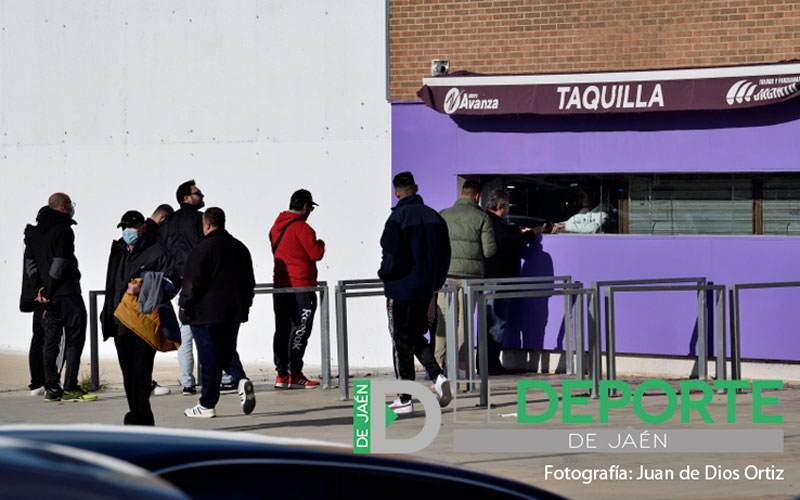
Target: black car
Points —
{"points": [[215, 465]]}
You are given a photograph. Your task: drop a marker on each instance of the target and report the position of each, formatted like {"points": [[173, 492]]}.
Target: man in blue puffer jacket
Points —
{"points": [[414, 264]]}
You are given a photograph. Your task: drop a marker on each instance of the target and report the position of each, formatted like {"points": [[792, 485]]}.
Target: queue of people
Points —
{"points": [[187, 258]]}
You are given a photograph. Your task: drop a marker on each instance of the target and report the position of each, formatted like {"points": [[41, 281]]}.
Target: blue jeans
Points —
{"points": [[216, 348], [186, 353]]}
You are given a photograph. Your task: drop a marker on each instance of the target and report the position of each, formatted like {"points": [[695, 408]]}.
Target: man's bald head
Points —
{"points": [[60, 202]]}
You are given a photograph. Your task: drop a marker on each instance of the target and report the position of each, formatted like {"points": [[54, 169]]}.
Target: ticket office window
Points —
{"points": [[662, 204]]}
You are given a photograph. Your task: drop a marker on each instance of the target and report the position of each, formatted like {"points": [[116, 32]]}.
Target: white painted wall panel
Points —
{"points": [[117, 102]]}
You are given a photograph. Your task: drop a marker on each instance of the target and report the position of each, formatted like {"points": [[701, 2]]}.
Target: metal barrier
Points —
{"points": [[517, 291], [702, 355], [260, 289], [373, 288], [595, 328], [736, 334], [325, 322], [468, 300]]}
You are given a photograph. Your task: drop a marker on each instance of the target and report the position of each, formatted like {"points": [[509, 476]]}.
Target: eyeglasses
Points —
{"points": [[311, 208], [198, 193]]}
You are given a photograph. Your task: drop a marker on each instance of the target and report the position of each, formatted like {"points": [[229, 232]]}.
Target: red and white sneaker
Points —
{"points": [[402, 407], [301, 382], [282, 382]]}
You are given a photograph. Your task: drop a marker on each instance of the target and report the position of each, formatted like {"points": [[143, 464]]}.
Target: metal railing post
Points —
{"points": [[595, 338], [579, 343], [702, 337], [569, 369], [736, 339], [325, 320], [93, 342], [341, 338], [451, 335], [483, 365], [720, 315], [611, 352], [469, 334]]}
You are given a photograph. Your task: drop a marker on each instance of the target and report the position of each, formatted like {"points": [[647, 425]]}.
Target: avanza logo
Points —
{"points": [[746, 91], [457, 99]]}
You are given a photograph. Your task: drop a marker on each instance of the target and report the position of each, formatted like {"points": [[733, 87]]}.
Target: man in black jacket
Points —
{"points": [[178, 235], [130, 256], [218, 290], [28, 303], [504, 264], [52, 247], [414, 264]]}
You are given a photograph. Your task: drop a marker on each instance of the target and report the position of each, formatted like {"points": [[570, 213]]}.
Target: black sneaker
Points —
{"points": [[227, 388], [53, 395], [189, 391]]}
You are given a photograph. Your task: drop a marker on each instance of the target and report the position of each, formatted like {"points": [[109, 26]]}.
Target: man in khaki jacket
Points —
{"points": [[471, 241]]}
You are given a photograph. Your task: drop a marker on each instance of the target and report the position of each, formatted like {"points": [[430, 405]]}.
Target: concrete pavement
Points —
{"points": [[318, 414]]}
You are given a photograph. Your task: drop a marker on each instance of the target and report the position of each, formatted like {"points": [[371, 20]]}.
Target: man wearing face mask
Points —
{"points": [[51, 247], [131, 255]]}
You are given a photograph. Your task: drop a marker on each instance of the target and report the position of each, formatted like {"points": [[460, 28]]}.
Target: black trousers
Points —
{"points": [[216, 348], [294, 318], [136, 361], [65, 314], [36, 352], [408, 323]]}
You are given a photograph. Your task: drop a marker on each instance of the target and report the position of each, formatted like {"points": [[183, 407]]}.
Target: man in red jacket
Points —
{"points": [[296, 250]]}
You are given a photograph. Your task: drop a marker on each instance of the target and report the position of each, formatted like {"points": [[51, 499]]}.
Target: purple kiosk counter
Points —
{"points": [[698, 168]]}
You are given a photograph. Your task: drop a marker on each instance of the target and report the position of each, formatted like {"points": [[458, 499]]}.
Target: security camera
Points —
{"points": [[440, 67]]}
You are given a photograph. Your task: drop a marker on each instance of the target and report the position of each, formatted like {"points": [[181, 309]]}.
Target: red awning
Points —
{"points": [[732, 87]]}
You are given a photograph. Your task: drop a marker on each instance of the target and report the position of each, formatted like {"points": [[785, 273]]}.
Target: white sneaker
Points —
{"points": [[400, 407], [159, 390], [39, 391], [442, 388], [247, 396], [200, 411]]}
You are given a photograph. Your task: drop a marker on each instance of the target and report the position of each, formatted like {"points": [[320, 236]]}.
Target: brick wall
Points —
{"points": [[551, 36]]}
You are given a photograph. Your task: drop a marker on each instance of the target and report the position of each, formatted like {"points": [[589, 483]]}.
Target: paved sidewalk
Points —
{"points": [[318, 414]]}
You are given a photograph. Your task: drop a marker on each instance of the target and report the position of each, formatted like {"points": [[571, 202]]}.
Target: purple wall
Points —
{"points": [[437, 148]]}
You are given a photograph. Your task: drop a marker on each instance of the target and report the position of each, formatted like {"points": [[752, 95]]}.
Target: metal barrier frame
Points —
{"points": [[702, 355], [736, 333], [468, 294], [527, 291], [260, 289], [374, 288], [596, 330]]}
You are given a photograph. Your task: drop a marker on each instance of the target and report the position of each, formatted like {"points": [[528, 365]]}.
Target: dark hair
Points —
{"points": [[471, 187], [184, 190], [165, 209], [215, 217], [497, 199], [403, 179]]}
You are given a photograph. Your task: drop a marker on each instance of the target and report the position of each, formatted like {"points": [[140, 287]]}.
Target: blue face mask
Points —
{"points": [[130, 235]]}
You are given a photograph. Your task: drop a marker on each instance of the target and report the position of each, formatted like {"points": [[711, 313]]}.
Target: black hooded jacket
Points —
{"points": [[218, 281], [50, 247], [123, 266], [179, 234]]}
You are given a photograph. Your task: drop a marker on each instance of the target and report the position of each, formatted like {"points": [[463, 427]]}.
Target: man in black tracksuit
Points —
{"points": [[52, 247], [130, 256], [414, 265], [218, 290]]}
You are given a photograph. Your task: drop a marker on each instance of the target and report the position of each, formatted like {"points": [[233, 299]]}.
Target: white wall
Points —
{"points": [[116, 102]]}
